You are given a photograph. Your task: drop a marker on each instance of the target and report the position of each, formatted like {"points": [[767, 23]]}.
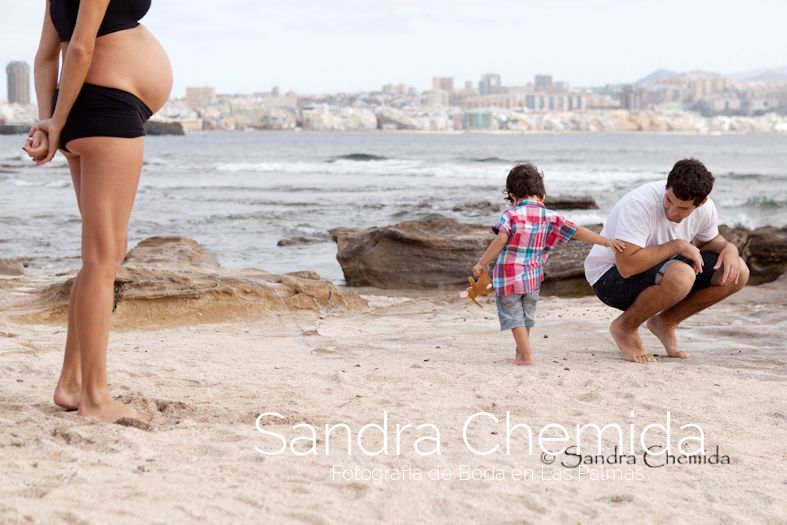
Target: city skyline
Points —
{"points": [[353, 46]]}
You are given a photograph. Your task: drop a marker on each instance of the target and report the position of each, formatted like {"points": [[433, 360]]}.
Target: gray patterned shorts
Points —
{"points": [[517, 310]]}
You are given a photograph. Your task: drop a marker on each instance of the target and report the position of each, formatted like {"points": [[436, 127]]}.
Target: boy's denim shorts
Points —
{"points": [[517, 310]]}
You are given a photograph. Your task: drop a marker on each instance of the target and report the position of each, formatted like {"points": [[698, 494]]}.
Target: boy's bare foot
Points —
{"points": [[67, 395], [666, 334], [629, 343], [523, 358], [109, 411], [521, 361]]}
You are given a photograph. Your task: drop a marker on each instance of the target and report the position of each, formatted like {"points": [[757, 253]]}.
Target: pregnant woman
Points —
{"points": [[114, 76]]}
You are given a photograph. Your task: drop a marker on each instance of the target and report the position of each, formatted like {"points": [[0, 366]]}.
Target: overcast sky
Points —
{"points": [[316, 46]]}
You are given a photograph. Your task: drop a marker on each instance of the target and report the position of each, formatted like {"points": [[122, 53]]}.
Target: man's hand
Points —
{"points": [[692, 253], [728, 258], [477, 269]]}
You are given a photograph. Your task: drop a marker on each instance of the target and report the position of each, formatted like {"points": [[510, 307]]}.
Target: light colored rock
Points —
{"points": [[173, 281], [12, 267]]}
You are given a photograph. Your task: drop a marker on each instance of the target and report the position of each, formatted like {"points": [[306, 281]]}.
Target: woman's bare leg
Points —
{"points": [[110, 175], [70, 382]]}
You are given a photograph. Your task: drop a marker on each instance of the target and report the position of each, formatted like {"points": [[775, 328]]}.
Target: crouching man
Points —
{"points": [[675, 263]]}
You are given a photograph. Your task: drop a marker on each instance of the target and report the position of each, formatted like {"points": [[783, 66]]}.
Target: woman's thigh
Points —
{"points": [[110, 170]]}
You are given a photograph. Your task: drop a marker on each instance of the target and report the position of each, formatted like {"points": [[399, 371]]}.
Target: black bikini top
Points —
{"points": [[120, 15]]}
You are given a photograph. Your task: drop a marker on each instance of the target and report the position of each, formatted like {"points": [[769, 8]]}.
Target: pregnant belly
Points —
{"points": [[134, 61]]}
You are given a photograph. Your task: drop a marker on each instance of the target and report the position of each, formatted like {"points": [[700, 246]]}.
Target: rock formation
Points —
{"points": [[438, 253], [173, 280]]}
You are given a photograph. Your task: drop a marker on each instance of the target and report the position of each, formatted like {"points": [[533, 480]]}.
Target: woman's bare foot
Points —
{"points": [[666, 334], [109, 411], [523, 358], [629, 343], [67, 394]]}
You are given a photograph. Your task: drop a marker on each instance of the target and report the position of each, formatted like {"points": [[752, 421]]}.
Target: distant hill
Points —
{"points": [[658, 76], [756, 75], [778, 74]]}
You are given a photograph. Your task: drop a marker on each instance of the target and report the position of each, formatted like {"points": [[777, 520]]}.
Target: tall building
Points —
{"points": [[18, 82], [438, 97], [489, 84], [197, 98], [631, 98], [543, 82], [443, 84]]}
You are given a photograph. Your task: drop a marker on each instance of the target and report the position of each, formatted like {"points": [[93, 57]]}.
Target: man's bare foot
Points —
{"points": [[629, 343], [523, 358], [67, 395], [109, 411], [666, 334]]}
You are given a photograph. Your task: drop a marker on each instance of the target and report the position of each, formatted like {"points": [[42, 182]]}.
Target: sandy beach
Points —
{"points": [[423, 358]]}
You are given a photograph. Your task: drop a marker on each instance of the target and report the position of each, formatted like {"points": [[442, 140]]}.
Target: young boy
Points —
{"points": [[525, 234]]}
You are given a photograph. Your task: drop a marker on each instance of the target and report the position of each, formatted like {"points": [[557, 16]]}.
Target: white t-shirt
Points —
{"points": [[639, 218]]}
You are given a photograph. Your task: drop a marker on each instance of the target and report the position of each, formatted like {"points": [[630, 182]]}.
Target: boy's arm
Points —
{"points": [[585, 235], [491, 252]]}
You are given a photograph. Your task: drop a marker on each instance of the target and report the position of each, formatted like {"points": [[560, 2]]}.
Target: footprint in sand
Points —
{"points": [[620, 499], [33, 492], [588, 398], [70, 437]]}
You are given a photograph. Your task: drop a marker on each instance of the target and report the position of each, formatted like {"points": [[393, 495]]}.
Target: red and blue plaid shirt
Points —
{"points": [[533, 230]]}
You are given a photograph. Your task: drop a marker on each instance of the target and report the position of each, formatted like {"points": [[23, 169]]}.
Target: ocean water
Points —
{"points": [[238, 194]]}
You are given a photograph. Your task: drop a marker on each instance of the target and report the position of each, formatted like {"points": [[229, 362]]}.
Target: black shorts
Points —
{"points": [[619, 292], [101, 111]]}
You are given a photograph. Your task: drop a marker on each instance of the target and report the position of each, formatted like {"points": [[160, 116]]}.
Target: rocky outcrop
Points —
{"points": [[764, 250], [12, 267], [556, 203], [480, 207], [426, 253], [438, 253], [167, 281], [157, 127], [564, 271], [302, 240], [569, 202], [14, 129]]}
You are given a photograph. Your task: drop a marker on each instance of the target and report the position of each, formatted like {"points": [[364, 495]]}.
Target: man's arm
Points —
{"points": [[636, 259], [716, 245], [728, 258]]}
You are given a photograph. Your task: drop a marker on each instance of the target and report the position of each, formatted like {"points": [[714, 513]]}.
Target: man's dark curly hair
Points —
{"points": [[690, 180], [523, 181]]}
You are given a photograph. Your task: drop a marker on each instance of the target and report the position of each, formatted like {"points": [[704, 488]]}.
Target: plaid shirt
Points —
{"points": [[532, 230]]}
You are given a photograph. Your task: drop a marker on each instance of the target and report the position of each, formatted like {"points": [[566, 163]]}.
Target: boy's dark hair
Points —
{"points": [[524, 180], [690, 180]]}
